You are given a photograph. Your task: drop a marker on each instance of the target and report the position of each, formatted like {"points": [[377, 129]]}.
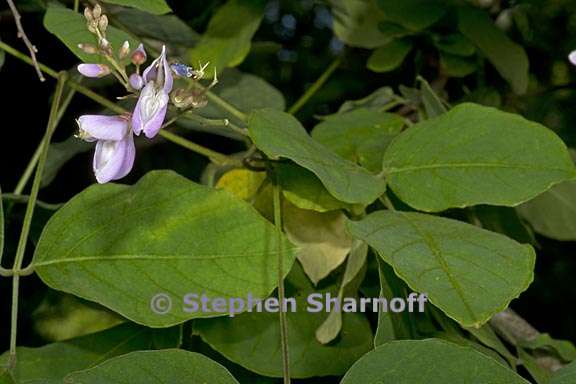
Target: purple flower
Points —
{"points": [[115, 151], [93, 70], [152, 104], [572, 57]]}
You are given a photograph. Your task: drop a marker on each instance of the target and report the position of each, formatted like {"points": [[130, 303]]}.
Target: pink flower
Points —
{"points": [[94, 70], [115, 150]]}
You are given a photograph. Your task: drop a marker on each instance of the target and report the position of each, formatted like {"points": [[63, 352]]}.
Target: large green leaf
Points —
{"points": [[156, 7], [361, 135], [509, 58], [430, 361], [226, 43], [120, 246], [475, 155], [56, 360], [253, 341], [172, 366], [553, 213], [566, 375], [279, 134], [468, 272], [70, 28], [413, 14]]}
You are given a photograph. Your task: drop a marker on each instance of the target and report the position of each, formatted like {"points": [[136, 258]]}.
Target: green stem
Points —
{"points": [[76, 5], [226, 106], [17, 268], [219, 157], [32, 163], [315, 87], [281, 294], [19, 198]]}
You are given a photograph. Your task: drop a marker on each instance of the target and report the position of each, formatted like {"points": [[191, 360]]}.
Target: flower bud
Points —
{"points": [[88, 48], [88, 14], [105, 46], [94, 70], [124, 50], [97, 11], [139, 55], [103, 23], [136, 81], [184, 99], [92, 26]]}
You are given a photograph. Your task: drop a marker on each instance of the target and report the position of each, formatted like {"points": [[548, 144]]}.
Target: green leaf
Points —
{"points": [[439, 163], [361, 135], [562, 348], [226, 42], [450, 261], [252, 340], [429, 361], [540, 374], [566, 375], [433, 104], [376, 100], [553, 213], [413, 14], [389, 56], [152, 367], [70, 28], [156, 7], [486, 335], [56, 360], [121, 246], [509, 58], [506, 221], [303, 189], [454, 44], [457, 66], [169, 29], [279, 134], [321, 237], [356, 23]]}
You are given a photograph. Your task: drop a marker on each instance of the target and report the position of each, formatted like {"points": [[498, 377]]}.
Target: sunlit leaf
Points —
{"points": [[123, 246], [475, 155], [450, 261]]}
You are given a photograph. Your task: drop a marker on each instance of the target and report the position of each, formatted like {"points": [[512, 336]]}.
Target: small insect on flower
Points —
{"points": [[182, 70]]}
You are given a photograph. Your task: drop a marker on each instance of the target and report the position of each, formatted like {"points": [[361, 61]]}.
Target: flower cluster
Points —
{"points": [[114, 135]]}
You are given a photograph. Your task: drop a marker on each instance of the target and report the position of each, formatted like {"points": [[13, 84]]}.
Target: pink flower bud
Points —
{"points": [[94, 70], [139, 55]]}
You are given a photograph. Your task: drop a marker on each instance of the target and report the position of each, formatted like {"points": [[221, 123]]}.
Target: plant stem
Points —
{"points": [[281, 294], [315, 87], [32, 163], [76, 5], [18, 198], [226, 106], [17, 268], [218, 157]]}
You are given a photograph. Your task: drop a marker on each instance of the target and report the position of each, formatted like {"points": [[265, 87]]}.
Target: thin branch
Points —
{"points": [[24, 37], [18, 198]]}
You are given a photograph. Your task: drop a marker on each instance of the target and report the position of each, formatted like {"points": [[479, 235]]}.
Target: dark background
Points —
{"points": [[302, 28]]}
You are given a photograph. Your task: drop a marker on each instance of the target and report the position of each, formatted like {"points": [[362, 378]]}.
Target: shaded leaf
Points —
{"points": [[70, 28], [279, 134], [156, 7], [226, 42], [446, 362], [153, 367], [454, 44], [413, 14], [122, 246], [456, 66], [553, 213], [389, 56], [566, 375], [376, 100], [504, 220], [356, 23], [564, 349], [450, 261], [437, 164], [361, 135], [59, 154], [509, 58], [56, 360]]}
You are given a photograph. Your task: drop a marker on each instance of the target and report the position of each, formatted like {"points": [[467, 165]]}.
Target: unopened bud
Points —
{"points": [[88, 14], [88, 48], [105, 46], [139, 55], [136, 81], [184, 99], [97, 11], [92, 27], [124, 50], [94, 70], [103, 23]]}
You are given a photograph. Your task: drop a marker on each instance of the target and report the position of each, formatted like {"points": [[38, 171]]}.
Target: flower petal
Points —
{"points": [[113, 159], [93, 70], [150, 110], [572, 57], [152, 127], [103, 127]]}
